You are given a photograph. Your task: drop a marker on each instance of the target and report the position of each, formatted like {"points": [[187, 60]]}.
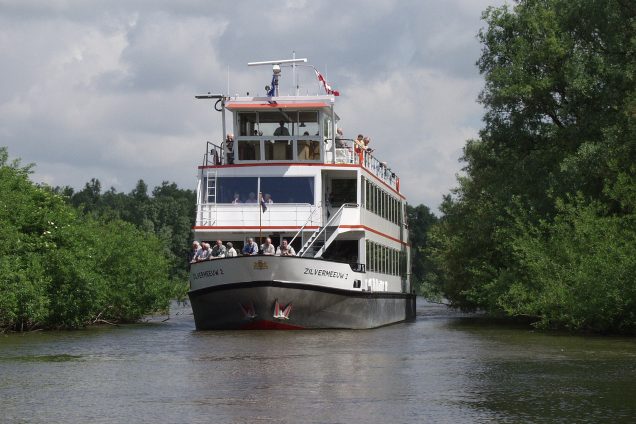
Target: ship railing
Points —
{"points": [[345, 153], [310, 220], [213, 154], [250, 215], [379, 169]]}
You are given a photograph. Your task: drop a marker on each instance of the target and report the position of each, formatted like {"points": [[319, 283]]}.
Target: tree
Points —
{"points": [[557, 151], [61, 268]]}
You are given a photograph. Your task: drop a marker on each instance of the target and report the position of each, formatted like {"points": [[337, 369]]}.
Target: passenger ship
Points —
{"points": [[339, 207]]}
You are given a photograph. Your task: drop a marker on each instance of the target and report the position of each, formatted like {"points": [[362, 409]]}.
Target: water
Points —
{"points": [[444, 367]]}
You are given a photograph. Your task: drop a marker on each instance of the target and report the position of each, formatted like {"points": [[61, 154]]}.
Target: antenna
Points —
{"points": [[273, 91]]}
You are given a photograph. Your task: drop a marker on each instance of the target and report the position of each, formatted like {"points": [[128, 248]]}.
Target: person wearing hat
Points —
{"points": [[231, 251]]}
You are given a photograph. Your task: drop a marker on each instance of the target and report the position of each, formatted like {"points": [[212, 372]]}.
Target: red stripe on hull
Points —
{"points": [[269, 325]]}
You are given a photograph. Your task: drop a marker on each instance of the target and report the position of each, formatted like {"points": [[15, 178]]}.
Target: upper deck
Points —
{"points": [[290, 130]]}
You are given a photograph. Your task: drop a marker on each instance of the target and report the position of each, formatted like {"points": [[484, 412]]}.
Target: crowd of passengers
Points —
{"points": [[205, 252]]}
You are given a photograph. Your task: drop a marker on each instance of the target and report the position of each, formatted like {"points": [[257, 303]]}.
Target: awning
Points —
{"points": [[274, 105]]}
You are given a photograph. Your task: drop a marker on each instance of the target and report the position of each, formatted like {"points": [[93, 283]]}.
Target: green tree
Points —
{"points": [[60, 268], [557, 151]]}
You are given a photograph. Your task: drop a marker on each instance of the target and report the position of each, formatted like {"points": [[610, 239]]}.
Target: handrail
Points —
{"points": [[216, 152], [324, 227], [309, 219]]}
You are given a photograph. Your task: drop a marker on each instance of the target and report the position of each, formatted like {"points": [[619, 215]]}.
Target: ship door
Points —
{"points": [[339, 190]]}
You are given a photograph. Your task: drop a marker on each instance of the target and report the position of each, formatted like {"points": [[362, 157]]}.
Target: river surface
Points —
{"points": [[443, 368]]}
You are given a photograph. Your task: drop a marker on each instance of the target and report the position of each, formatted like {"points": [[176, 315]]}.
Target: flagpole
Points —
{"points": [[260, 216]]}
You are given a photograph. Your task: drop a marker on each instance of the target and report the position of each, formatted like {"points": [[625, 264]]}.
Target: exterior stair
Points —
{"points": [[320, 240]]}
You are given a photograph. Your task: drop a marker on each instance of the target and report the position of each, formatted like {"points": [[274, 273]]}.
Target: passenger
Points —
{"points": [[285, 250], [218, 251], [282, 130], [366, 142], [340, 142], [229, 148], [251, 198], [231, 251], [268, 248], [237, 199], [359, 143], [196, 248], [250, 248], [204, 254], [267, 198]]}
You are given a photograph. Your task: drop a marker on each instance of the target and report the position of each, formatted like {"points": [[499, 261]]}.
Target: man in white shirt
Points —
{"points": [[285, 250], [268, 248]]}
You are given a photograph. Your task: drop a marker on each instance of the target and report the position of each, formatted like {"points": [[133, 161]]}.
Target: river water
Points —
{"points": [[444, 367]]}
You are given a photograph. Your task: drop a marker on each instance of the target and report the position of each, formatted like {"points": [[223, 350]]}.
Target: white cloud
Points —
{"points": [[106, 89]]}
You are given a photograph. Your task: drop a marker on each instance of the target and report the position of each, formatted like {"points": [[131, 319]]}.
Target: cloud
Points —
{"points": [[106, 89]]}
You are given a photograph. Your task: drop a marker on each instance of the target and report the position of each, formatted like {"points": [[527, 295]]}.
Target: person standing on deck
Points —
{"points": [[282, 130], [268, 248], [229, 148], [250, 248], [285, 250], [218, 251], [231, 251]]}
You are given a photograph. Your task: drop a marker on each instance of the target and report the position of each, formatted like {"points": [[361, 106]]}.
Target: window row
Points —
{"points": [[278, 123], [236, 190], [381, 202], [385, 260], [279, 149]]}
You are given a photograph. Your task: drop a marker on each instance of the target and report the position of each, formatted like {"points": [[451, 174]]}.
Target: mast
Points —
{"points": [[276, 71]]}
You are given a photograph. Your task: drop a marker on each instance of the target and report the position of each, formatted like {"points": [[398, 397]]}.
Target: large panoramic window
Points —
{"points": [[288, 189], [243, 189]]}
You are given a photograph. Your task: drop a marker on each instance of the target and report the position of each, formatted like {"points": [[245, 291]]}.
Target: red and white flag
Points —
{"points": [[327, 87]]}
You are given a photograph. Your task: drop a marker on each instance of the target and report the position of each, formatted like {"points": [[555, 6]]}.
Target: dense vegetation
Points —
{"points": [[63, 268], [542, 224], [168, 214]]}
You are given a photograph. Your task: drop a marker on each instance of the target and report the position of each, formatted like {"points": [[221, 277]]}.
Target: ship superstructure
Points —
{"points": [[286, 175]]}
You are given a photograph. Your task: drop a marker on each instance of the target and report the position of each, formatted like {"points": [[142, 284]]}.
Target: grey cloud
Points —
{"points": [[105, 89]]}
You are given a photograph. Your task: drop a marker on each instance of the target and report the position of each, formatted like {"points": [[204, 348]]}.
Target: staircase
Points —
{"points": [[323, 236]]}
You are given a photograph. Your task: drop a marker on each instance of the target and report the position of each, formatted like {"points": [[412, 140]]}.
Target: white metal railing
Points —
{"points": [[283, 214]]}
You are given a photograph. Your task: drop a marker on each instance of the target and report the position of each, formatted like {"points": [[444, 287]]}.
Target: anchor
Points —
{"points": [[282, 313]]}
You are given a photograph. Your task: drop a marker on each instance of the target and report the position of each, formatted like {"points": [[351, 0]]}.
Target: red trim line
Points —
{"points": [[252, 227], [245, 165], [364, 227], [276, 105]]}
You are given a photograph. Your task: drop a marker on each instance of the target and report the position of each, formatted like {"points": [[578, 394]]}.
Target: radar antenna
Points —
{"points": [[273, 90]]}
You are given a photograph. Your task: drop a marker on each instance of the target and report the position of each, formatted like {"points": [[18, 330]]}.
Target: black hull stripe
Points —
{"points": [[301, 286]]}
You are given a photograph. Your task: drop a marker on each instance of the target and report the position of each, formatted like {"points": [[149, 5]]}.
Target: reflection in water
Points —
{"points": [[445, 367]]}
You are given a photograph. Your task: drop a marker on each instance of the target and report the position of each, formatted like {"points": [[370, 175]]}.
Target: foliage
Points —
{"points": [[168, 213], [539, 224], [420, 219], [61, 269]]}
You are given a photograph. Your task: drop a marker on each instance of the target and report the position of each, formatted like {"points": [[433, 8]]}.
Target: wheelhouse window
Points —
{"points": [[249, 149], [278, 123], [278, 150]]}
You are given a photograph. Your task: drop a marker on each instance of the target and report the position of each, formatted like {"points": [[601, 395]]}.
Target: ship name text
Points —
{"points": [[208, 273], [325, 273]]}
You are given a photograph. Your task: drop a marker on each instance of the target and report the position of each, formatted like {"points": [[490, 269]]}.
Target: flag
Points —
{"points": [[326, 86], [263, 205]]}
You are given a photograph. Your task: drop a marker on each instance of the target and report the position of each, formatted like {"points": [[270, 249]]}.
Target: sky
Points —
{"points": [[105, 89]]}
